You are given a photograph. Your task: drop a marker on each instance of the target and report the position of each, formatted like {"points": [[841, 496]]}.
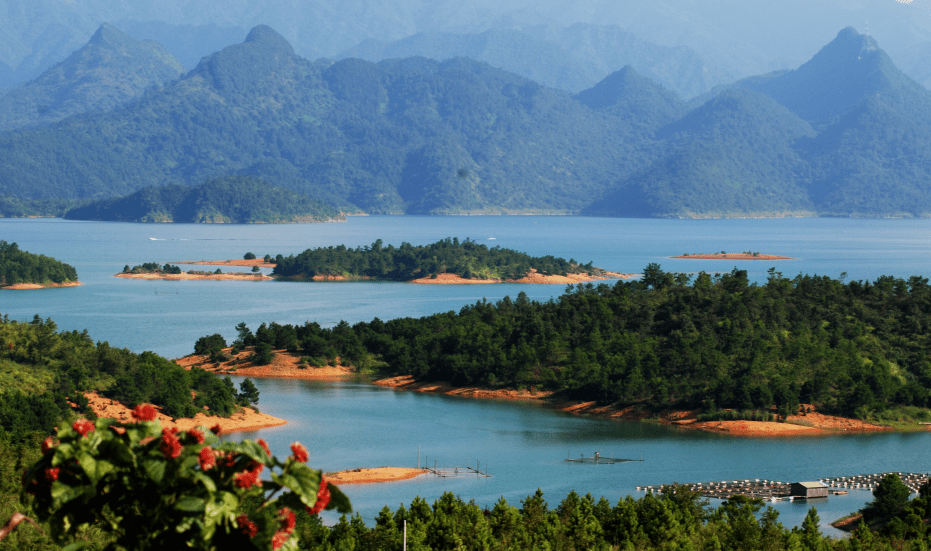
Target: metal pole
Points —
{"points": [[405, 534], [418, 457]]}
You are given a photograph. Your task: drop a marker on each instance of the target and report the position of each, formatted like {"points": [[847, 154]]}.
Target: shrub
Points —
{"points": [[154, 488]]}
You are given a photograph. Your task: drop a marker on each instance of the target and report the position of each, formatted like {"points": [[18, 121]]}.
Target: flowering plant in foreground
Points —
{"points": [[155, 488]]}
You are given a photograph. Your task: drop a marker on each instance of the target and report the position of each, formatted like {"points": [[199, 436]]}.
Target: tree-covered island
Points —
{"points": [[23, 270], [466, 259], [719, 346]]}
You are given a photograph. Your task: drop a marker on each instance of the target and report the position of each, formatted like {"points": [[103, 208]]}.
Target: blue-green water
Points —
{"points": [[348, 425]]}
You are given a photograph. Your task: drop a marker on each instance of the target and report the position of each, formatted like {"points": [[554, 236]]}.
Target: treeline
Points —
{"points": [[43, 370], [152, 268], [675, 519], [18, 266], [858, 348], [466, 258]]}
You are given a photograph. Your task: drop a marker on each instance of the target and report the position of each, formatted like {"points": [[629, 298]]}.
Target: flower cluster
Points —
{"points": [[299, 452], [170, 446], [83, 426], [207, 459], [144, 412], [249, 528], [323, 497]]}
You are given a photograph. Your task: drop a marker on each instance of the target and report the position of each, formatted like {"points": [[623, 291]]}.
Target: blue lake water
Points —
{"points": [[348, 425]]}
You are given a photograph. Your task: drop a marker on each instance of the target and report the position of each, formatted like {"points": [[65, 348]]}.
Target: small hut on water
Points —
{"points": [[808, 489]]}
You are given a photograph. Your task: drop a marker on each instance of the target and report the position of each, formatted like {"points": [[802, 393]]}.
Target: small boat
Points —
{"points": [[492, 238]]}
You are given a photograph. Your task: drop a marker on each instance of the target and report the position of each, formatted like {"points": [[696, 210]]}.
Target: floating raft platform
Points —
{"points": [[598, 458], [774, 490]]}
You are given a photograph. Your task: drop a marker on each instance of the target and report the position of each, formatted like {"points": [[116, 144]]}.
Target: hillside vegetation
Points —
{"points": [[466, 259], [669, 341], [232, 199], [18, 266]]}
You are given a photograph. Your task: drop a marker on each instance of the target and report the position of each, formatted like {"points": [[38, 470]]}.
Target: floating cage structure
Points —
{"points": [[774, 490], [598, 458]]}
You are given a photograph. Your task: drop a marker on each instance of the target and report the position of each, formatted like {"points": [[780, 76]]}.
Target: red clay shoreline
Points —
{"points": [[32, 286], [732, 256]]}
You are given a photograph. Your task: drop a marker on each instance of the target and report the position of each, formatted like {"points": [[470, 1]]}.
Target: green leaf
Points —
{"points": [[301, 480], [155, 469], [338, 501], [75, 546], [116, 452], [206, 481], [88, 464], [190, 504]]}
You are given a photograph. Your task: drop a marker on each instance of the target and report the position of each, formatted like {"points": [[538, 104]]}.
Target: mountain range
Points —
{"points": [[845, 134]]}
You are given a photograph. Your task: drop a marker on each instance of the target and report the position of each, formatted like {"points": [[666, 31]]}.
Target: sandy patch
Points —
{"points": [[247, 419], [406, 382], [372, 476], [733, 256], [284, 366], [27, 286], [813, 423], [754, 428], [242, 262], [532, 277], [189, 277]]}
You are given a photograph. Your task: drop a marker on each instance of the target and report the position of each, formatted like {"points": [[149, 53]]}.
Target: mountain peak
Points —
{"points": [[634, 96], [107, 34], [263, 34]]}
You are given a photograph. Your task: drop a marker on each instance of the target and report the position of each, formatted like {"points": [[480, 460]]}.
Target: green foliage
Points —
{"points": [[248, 256], [671, 341], [889, 499], [153, 488], [467, 259], [152, 268], [209, 345], [232, 199], [17, 266]]}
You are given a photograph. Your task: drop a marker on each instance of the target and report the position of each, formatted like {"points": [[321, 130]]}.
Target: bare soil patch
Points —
{"points": [[732, 256], [374, 475], [532, 277], [29, 286], [247, 419], [232, 276], [284, 365]]}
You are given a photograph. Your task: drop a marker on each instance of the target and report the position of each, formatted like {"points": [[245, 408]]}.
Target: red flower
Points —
{"points": [[216, 429], [249, 529], [288, 519], [300, 452], [248, 479], [144, 412], [323, 497], [228, 460], [170, 446], [264, 445], [279, 539], [195, 436], [256, 466], [51, 474], [83, 426], [47, 445], [206, 458]]}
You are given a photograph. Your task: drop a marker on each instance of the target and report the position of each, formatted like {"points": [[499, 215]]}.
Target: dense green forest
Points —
{"points": [[420, 136], [668, 341], [151, 268], [674, 519], [17, 266], [466, 258], [231, 199]]}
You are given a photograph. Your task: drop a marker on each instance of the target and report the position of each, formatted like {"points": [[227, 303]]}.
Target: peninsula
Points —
{"points": [[21, 270]]}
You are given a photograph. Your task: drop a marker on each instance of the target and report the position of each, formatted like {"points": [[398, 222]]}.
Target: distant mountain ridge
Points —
{"points": [[111, 69], [460, 137]]}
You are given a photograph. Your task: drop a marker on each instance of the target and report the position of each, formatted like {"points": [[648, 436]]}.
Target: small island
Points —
{"points": [[449, 261], [747, 255], [153, 270], [23, 270], [227, 200]]}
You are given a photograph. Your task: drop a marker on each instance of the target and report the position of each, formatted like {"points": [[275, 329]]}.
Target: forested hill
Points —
{"points": [[232, 199], [110, 70], [454, 137], [413, 135], [670, 342], [18, 266], [466, 259]]}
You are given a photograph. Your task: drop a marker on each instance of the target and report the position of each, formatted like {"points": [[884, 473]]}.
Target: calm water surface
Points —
{"points": [[348, 425]]}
